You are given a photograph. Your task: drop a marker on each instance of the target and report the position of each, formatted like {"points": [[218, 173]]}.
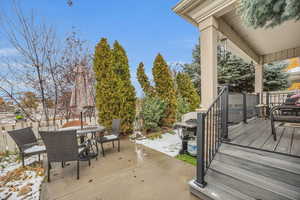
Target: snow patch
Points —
{"points": [[169, 144], [29, 180]]}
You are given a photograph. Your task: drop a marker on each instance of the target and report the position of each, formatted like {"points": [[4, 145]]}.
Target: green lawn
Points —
{"points": [[187, 158]]}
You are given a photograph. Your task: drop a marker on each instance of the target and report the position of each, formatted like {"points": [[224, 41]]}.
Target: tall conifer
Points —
{"points": [[106, 84], [144, 81], [165, 88], [126, 91], [187, 90]]}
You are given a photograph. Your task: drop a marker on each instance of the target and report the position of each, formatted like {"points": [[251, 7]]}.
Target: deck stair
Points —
{"points": [[239, 173]]}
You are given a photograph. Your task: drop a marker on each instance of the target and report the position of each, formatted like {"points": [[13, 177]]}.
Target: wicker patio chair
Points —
{"points": [[113, 136], [62, 146], [284, 113], [27, 143]]}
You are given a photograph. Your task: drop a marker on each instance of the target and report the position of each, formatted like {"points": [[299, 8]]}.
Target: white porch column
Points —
{"points": [[209, 77], [259, 78]]}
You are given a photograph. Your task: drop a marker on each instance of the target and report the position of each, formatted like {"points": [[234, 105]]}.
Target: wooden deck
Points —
{"points": [[238, 172], [257, 134]]}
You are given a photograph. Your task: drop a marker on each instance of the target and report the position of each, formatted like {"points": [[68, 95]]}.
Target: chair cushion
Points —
{"points": [[35, 149], [110, 137]]}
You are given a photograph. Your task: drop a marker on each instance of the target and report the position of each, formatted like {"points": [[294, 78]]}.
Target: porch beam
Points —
{"points": [[235, 38], [281, 55]]}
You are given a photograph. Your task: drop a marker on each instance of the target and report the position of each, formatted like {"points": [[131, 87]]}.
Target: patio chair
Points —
{"points": [[27, 143], [113, 136], [62, 146], [284, 113]]}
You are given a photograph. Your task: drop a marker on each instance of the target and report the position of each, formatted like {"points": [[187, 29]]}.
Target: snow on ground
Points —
{"points": [[18, 183], [169, 144]]}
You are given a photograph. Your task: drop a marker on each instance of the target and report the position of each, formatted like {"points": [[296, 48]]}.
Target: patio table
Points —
{"points": [[90, 141]]}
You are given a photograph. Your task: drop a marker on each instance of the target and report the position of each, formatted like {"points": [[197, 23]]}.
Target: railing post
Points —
{"points": [[244, 108], [200, 150], [267, 103], [225, 113], [258, 98]]}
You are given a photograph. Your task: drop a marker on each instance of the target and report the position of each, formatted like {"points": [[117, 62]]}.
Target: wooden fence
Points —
{"points": [[6, 142]]}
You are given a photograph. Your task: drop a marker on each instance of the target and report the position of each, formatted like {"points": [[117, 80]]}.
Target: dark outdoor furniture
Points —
{"points": [[189, 131], [113, 136], [27, 143], [89, 142], [284, 113], [62, 146]]}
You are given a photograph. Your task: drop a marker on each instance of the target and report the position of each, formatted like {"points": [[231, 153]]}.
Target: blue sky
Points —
{"points": [[144, 28]]}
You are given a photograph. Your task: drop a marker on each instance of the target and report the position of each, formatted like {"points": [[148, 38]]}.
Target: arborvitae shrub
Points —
{"points": [[107, 101], [165, 89], [187, 91], [126, 91]]}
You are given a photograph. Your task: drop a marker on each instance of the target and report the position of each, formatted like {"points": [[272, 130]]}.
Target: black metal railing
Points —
{"points": [[212, 129]]}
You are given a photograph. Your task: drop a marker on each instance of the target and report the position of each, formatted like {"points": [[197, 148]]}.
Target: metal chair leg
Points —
{"points": [[102, 149], [97, 149], [273, 129], [23, 160], [77, 169], [113, 143], [49, 167], [118, 145]]}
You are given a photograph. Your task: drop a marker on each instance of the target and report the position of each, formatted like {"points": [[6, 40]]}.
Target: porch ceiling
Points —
{"points": [[266, 41], [263, 45]]}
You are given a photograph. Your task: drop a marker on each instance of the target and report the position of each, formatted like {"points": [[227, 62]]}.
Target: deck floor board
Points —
{"points": [[295, 150], [258, 134]]}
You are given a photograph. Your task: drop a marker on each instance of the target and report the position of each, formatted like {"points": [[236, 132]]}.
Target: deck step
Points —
{"points": [[282, 162], [249, 190], [217, 191], [243, 173], [278, 175], [277, 187]]}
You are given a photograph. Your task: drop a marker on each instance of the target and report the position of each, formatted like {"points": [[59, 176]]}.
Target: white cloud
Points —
{"points": [[8, 52]]}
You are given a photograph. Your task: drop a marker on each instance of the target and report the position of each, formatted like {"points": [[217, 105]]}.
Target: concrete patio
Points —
{"points": [[135, 173]]}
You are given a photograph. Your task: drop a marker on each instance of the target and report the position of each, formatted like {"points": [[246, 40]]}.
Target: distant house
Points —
{"points": [[294, 71]]}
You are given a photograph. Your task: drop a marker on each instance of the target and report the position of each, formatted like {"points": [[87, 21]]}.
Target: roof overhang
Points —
{"points": [[260, 45]]}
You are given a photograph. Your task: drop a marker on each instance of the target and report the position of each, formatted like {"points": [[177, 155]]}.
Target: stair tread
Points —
{"points": [[283, 162], [271, 172], [248, 190], [267, 183], [217, 191]]}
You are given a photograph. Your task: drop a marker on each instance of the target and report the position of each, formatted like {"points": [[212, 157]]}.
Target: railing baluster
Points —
{"points": [[215, 128], [206, 142], [244, 108], [210, 135]]}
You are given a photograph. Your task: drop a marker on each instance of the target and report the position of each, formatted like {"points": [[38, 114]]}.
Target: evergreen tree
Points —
{"points": [[144, 81], [240, 75], [234, 71], [274, 77], [165, 88], [187, 91], [194, 69], [270, 13], [107, 101], [126, 91]]}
